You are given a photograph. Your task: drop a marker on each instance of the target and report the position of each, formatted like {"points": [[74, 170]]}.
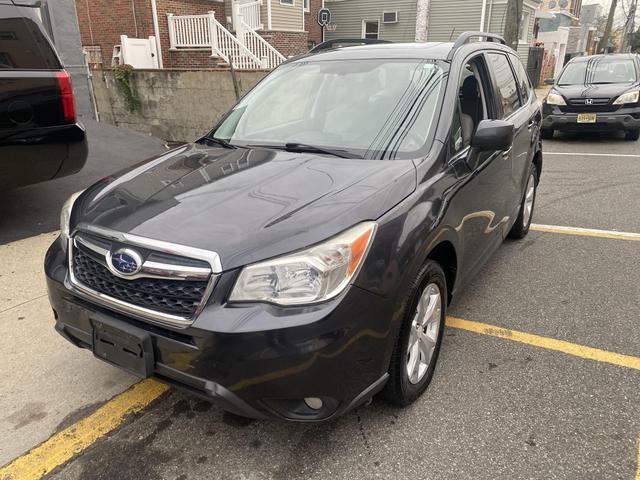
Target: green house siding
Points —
{"points": [[348, 16]]}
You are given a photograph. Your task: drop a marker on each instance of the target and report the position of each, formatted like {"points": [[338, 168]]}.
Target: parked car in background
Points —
{"points": [[40, 138], [596, 93], [300, 257]]}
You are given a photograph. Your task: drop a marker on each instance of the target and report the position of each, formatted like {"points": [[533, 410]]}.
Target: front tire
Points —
{"points": [[632, 135], [523, 222], [416, 352]]}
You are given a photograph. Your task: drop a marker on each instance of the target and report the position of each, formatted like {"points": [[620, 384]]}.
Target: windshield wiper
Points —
{"points": [[303, 147], [220, 141]]}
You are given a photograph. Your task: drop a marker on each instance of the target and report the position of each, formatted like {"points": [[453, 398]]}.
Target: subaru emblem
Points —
{"points": [[125, 262]]}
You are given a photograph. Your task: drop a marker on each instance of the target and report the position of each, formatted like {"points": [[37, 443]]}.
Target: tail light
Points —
{"points": [[66, 96]]}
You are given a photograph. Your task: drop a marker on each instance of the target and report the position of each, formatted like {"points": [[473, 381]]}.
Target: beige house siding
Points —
{"points": [[283, 17], [349, 14], [448, 19]]}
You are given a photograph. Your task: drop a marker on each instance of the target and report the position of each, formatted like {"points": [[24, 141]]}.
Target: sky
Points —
{"points": [[606, 4]]}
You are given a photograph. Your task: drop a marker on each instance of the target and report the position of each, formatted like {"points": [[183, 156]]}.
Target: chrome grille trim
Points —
{"points": [[153, 270]]}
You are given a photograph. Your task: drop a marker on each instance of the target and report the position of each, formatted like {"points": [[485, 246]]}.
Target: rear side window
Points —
{"points": [[23, 46], [507, 88], [523, 79]]}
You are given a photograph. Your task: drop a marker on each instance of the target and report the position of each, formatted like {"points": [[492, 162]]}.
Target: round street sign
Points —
{"points": [[324, 17]]}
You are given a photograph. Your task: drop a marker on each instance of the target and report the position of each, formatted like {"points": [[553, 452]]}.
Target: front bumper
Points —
{"points": [[338, 351], [623, 120]]}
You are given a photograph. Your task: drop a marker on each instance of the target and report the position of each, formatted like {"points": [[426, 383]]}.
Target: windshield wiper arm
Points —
{"points": [[303, 147], [220, 141]]}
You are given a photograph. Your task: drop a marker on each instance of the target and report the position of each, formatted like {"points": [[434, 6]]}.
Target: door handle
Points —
{"points": [[532, 124]]}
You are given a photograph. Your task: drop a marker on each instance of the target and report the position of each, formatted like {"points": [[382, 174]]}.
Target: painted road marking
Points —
{"points": [[585, 232], [638, 462], [548, 343], [64, 445], [580, 154]]}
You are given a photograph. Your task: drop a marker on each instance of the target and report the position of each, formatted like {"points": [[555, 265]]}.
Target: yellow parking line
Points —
{"points": [[586, 232], [545, 342], [638, 462], [64, 445]]}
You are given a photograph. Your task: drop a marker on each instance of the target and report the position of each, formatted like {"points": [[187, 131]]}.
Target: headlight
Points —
{"points": [[65, 218], [309, 276], [555, 99], [629, 97]]}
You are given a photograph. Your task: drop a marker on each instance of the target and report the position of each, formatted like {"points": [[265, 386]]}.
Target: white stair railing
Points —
{"points": [[188, 31], [245, 51], [247, 11], [230, 48], [269, 56]]}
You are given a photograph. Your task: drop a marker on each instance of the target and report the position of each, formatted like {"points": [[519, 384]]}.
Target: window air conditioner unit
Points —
{"points": [[390, 17]]}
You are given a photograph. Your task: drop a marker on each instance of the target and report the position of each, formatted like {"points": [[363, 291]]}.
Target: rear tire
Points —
{"points": [[547, 133], [523, 222], [632, 135], [420, 337]]}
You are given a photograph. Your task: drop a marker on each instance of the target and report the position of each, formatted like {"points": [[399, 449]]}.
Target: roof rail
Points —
{"points": [[465, 37], [328, 44]]}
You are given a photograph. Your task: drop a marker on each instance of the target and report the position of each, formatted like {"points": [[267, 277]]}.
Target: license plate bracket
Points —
{"points": [[587, 118], [123, 345]]}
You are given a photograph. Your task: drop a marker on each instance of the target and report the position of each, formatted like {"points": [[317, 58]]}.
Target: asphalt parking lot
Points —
{"points": [[539, 376]]}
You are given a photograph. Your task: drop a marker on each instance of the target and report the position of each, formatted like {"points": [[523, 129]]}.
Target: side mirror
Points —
{"points": [[493, 135], [550, 81]]}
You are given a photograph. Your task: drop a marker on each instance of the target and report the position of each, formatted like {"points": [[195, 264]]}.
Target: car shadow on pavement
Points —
{"points": [[35, 209]]}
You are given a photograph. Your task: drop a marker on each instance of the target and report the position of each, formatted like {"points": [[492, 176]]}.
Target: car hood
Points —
{"points": [[607, 90], [245, 204]]}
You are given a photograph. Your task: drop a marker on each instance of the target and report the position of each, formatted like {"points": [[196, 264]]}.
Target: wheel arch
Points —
{"points": [[537, 161], [444, 253]]}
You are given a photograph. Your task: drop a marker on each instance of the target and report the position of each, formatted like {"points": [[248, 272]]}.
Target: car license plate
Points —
{"points": [[587, 118], [123, 345]]}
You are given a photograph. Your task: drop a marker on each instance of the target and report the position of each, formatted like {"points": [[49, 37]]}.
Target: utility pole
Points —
{"points": [[603, 46], [512, 21], [629, 27]]}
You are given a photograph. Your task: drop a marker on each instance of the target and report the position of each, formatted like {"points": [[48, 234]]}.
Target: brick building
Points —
{"points": [[289, 25]]}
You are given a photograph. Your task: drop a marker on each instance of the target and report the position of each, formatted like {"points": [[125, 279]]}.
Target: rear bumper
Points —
{"points": [[341, 356], [623, 120], [41, 154]]}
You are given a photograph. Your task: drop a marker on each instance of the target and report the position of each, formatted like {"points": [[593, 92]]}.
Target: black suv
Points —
{"points": [[300, 257], [596, 93], [40, 138]]}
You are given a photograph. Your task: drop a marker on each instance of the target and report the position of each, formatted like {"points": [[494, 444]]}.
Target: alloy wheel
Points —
{"points": [[423, 335], [528, 200]]}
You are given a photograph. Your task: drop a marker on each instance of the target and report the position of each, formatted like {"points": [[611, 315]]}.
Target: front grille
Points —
{"points": [[172, 297], [589, 108], [599, 105]]}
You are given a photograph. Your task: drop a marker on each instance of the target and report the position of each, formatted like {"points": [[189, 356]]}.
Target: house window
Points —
{"points": [[371, 29], [286, 2], [305, 5], [524, 27]]}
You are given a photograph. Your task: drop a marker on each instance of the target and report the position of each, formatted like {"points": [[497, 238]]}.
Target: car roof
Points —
{"points": [[426, 50], [608, 56]]}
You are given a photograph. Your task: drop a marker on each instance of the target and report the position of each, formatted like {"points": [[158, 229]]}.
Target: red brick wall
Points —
{"points": [[287, 43], [311, 22], [103, 21], [186, 59]]}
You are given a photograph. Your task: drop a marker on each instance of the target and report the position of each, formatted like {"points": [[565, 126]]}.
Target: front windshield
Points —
{"points": [[599, 70], [368, 108]]}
